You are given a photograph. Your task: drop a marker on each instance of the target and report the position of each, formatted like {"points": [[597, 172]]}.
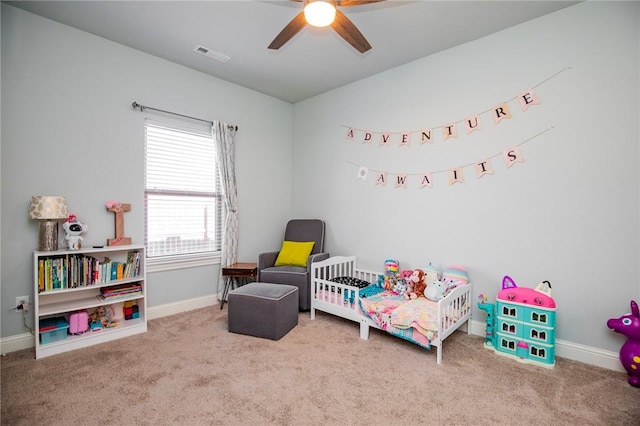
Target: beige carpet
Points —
{"points": [[188, 370]]}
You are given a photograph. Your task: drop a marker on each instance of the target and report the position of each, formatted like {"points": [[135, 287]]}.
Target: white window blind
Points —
{"points": [[183, 204]]}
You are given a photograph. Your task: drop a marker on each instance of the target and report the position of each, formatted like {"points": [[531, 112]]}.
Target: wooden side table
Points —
{"points": [[239, 273]]}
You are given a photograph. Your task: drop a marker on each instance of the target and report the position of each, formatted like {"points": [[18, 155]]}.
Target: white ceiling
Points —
{"points": [[314, 61]]}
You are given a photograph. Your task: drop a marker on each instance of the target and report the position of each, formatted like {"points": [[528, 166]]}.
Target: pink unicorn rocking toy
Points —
{"points": [[629, 326]]}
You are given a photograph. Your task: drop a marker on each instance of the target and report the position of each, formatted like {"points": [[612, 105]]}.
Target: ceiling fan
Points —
{"points": [[329, 15]]}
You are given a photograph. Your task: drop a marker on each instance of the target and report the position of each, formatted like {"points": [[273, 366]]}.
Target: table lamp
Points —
{"points": [[48, 209]]}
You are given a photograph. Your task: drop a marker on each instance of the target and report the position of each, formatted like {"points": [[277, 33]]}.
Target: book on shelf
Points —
{"points": [[120, 291], [79, 270]]}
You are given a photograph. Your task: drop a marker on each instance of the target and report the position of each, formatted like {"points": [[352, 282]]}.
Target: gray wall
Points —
{"points": [[68, 128], [568, 214]]}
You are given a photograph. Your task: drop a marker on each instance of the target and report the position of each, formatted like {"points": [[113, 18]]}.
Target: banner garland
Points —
{"points": [[450, 130], [510, 156]]}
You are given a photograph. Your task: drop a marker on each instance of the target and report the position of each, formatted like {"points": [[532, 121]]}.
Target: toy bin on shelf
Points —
{"points": [[53, 330]]}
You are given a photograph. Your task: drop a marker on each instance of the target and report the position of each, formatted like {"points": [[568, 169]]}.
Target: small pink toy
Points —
{"points": [[629, 326]]}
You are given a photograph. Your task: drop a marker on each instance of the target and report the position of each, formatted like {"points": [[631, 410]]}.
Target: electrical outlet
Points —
{"points": [[20, 300]]}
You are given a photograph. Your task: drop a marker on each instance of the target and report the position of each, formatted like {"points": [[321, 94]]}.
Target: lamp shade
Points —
{"points": [[319, 13], [48, 207]]}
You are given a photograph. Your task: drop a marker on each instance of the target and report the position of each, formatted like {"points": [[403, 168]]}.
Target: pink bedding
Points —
{"points": [[391, 311]]}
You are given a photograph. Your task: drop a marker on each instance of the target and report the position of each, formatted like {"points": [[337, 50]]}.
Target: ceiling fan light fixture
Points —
{"points": [[319, 13]]}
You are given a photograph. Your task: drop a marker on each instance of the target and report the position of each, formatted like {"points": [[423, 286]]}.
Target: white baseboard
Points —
{"points": [[182, 306], [16, 343], [565, 349], [573, 351], [26, 340]]}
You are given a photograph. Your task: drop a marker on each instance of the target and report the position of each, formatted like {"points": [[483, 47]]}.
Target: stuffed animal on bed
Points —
{"points": [[454, 275], [419, 284], [431, 273], [402, 285], [391, 268], [400, 288], [406, 274], [435, 290]]}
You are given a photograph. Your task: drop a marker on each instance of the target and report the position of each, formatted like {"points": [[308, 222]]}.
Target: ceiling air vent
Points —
{"points": [[211, 53]]}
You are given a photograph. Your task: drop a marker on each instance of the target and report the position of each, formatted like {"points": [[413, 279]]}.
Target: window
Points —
{"points": [[539, 352], [183, 202], [536, 317], [509, 312], [509, 328], [508, 344], [540, 335]]}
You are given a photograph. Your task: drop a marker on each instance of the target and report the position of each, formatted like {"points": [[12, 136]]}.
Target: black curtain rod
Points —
{"points": [[136, 105]]}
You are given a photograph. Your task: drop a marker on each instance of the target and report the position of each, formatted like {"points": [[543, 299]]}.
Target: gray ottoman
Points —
{"points": [[263, 310]]}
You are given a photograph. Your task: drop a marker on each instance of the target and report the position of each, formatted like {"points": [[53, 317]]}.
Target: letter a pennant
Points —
{"points": [[425, 180]]}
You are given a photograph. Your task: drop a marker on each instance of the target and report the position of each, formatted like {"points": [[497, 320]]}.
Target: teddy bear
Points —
{"points": [[417, 279], [73, 229]]}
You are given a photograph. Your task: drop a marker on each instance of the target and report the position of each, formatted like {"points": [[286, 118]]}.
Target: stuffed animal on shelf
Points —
{"points": [[72, 229], [103, 317], [419, 284], [435, 290]]}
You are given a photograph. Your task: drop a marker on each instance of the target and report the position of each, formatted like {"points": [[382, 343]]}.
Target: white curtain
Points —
{"points": [[223, 135]]}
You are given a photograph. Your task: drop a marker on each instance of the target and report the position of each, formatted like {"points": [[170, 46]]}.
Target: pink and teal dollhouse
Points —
{"points": [[522, 323]]}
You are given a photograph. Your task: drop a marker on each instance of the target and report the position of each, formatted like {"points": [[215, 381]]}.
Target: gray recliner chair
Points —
{"points": [[300, 230]]}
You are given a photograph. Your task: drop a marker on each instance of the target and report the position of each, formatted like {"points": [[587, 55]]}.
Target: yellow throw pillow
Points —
{"points": [[294, 253]]}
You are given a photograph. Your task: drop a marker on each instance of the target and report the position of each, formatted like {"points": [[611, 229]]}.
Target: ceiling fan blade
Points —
{"points": [[346, 3], [348, 31], [289, 31]]}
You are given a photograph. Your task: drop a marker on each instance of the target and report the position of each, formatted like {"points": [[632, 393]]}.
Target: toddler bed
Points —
{"points": [[339, 288]]}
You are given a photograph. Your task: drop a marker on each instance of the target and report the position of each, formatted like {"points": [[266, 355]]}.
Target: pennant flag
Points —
{"points": [[425, 180], [500, 112], [382, 179], [405, 138], [384, 140], [473, 123], [401, 180], [368, 136], [484, 168], [426, 136], [362, 173], [528, 98], [350, 133], [512, 155], [450, 131], [455, 175]]}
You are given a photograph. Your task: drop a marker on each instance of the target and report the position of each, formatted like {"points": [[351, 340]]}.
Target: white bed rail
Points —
{"points": [[335, 298]]}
